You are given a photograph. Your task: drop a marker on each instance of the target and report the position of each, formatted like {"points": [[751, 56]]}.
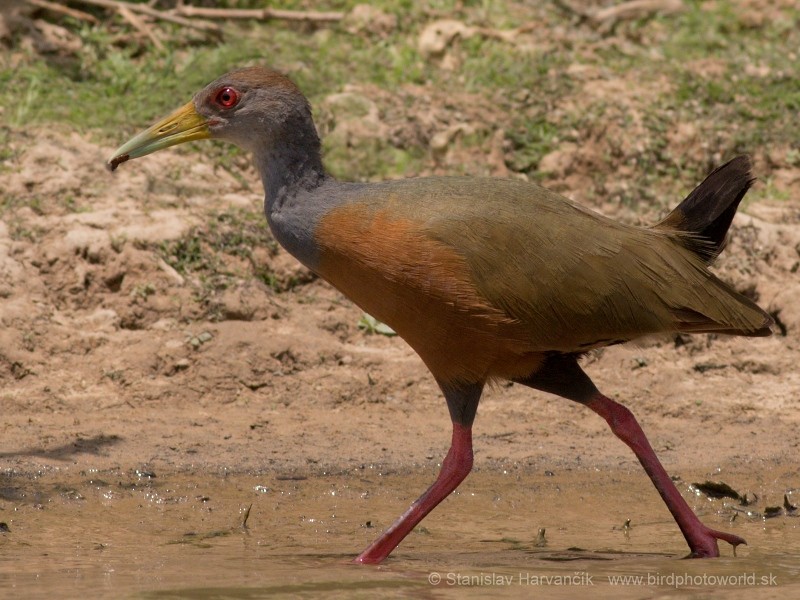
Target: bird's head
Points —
{"points": [[255, 108]]}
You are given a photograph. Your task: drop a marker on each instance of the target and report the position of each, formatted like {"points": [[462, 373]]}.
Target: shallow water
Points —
{"points": [[109, 535]]}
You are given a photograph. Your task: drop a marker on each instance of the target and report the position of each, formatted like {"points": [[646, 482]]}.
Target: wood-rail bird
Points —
{"points": [[485, 278]]}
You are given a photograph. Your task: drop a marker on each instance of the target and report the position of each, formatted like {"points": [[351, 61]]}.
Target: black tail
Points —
{"points": [[707, 212]]}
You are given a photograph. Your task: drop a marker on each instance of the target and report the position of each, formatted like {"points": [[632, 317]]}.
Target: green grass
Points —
{"points": [[747, 103]]}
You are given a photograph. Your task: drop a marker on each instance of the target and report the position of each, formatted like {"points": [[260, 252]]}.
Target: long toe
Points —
{"points": [[704, 543]]}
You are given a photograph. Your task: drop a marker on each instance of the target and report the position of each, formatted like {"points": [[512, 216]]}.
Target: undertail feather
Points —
{"points": [[690, 321]]}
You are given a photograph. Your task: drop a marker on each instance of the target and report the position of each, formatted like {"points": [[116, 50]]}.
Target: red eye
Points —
{"points": [[227, 97]]}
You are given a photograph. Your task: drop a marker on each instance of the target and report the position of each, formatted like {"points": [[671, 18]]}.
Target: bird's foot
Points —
{"points": [[704, 542]]}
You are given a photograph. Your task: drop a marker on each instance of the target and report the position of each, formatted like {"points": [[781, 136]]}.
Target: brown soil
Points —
{"points": [[111, 359]]}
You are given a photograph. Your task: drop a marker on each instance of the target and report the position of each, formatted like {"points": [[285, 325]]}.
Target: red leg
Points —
{"points": [[456, 466], [701, 539]]}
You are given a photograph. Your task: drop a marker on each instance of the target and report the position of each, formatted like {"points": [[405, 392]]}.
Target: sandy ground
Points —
{"points": [[110, 359]]}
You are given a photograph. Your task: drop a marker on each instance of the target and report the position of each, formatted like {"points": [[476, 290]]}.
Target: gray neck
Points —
{"points": [[297, 191], [292, 168]]}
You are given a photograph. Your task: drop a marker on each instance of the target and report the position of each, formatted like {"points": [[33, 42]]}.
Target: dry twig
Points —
{"points": [[152, 12], [261, 14], [140, 25], [64, 10], [606, 18], [637, 9]]}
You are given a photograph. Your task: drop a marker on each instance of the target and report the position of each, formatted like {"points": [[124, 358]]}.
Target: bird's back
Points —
{"points": [[508, 271]]}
